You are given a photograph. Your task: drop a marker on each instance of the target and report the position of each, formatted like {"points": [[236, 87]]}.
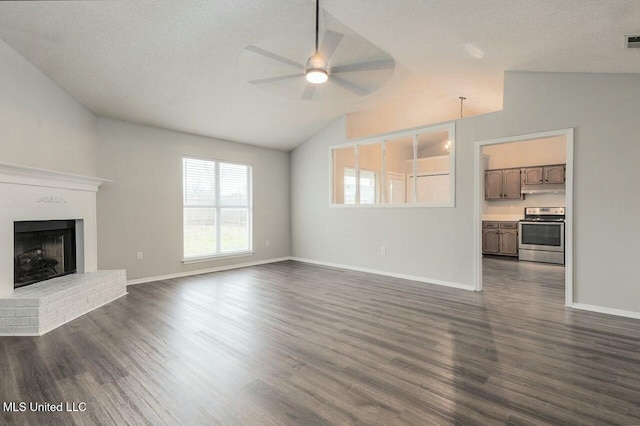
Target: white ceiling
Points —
{"points": [[176, 64]]}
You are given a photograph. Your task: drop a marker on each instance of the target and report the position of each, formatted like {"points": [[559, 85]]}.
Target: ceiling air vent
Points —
{"points": [[632, 41]]}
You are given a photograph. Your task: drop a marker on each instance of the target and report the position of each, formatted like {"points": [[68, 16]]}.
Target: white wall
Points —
{"points": [[40, 124], [142, 209], [438, 243]]}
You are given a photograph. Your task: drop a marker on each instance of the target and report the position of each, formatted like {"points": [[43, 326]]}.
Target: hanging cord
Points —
{"points": [[317, 20], [462, 99]]}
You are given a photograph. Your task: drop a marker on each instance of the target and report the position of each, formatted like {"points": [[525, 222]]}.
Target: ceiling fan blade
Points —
{"points": [[271, 55], [365, 66], [354, 88], [274, 79], [308, 92], [330, 42]]}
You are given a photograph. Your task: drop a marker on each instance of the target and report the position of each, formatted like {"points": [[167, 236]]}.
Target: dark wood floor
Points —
{"points": [[291, 343]]}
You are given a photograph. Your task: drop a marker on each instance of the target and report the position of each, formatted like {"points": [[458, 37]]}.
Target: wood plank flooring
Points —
{"points": [[291, 343]]}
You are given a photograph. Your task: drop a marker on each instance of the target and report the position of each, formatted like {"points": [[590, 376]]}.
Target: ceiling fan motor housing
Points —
{"points": [[316, 62]]}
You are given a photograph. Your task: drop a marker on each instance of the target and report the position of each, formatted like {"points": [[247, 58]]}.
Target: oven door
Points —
{"points": [[547, 236]]}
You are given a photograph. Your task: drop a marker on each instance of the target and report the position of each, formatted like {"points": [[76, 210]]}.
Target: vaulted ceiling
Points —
{"points": [[177, 64]]}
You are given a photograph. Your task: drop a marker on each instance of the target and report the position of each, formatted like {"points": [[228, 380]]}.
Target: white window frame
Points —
{"points": [[358, 194], [218, 208], [383, 138]]}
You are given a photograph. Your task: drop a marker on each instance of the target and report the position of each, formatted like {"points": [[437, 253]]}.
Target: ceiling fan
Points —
{"points": [[320, 68]]}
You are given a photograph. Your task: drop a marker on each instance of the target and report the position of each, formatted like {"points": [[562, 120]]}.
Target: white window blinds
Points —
{"points": [[368, 186], [216, 208]]}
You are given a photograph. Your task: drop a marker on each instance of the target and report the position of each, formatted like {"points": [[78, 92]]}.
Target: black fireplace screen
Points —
{"points": [[43, 250]]}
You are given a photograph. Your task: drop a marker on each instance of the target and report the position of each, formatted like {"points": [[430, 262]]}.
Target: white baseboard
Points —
{"points": [[605, 310], [205, 271], [388, 274], [298, 259]]}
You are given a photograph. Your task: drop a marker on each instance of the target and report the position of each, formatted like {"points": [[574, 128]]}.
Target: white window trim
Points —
{"points": [[383, 138], [229, 255], [377, 190], [225, 255]]}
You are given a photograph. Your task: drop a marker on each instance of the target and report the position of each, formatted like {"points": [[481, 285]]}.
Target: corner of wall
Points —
{"points": [[43, 125]]}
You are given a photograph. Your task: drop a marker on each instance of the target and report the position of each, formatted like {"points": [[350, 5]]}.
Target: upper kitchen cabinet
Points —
{"points": [[493, 185], [554, 174], [532, 175], [512, 184], [502, 184]]}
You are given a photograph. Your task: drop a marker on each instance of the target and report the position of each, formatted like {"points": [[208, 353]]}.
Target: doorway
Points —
{"points": [[510, 201]]}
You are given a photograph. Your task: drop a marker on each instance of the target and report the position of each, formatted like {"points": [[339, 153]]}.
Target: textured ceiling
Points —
{"points": [[176, 64]]}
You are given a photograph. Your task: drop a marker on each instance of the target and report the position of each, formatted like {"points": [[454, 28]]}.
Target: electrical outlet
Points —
{"points": [[139, 255], [267, 243], [383, 250]]}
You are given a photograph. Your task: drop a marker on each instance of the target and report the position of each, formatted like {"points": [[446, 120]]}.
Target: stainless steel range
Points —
{"points": [[541, 235]]}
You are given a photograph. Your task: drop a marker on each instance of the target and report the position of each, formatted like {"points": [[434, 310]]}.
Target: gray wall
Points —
{"points": [[424, 242], [603, 109], [142, 209], [40, 124], [437, 243]]}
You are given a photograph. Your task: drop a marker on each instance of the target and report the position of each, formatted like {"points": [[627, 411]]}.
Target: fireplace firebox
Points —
{"points": [[43, 250]]}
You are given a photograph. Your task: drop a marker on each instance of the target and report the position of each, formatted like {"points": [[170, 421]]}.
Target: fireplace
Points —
{"points": [[43, 250], [48, 251]]}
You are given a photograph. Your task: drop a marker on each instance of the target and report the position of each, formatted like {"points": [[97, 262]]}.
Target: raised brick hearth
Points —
{"points": [[41, 307]]}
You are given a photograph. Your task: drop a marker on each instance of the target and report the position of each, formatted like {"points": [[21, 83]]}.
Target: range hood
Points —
{"points": [[549, 188]]}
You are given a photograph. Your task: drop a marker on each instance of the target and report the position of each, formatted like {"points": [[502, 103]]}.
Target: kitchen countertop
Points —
{"points": [[502, 217]]}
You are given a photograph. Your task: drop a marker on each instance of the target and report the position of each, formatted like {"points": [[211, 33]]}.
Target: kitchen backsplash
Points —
{"points": [[517, 206]]}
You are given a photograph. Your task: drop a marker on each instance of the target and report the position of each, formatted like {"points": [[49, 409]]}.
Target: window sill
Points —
{"points": [[217, 257]]}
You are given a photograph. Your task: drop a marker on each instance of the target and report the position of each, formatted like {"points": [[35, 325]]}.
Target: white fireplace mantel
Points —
{"points": [[25, 175], [32, 194]]}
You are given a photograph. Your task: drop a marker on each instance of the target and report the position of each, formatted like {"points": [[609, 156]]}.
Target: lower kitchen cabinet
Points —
{"points": [[500, 238], [490, 238], [509, 242]]}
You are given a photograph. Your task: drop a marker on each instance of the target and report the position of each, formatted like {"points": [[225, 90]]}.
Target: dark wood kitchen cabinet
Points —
{"points": [[532, 176], [500, 238], [490, 238], [509, 242], [493, 185], [542, 175], [554, 174], [511, 190], [509, 184], [502, 184]]}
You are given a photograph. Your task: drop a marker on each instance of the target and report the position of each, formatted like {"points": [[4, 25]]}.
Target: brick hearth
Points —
{"points": [[38, 308]]}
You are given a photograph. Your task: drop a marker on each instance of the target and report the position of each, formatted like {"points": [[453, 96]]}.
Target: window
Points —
{"points": [[349, 186], [217, 210], [368, 186], [407, 168]]}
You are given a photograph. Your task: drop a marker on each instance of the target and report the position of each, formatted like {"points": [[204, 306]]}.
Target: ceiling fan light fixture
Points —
{"points": [[316, 76], [319, 69]]}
